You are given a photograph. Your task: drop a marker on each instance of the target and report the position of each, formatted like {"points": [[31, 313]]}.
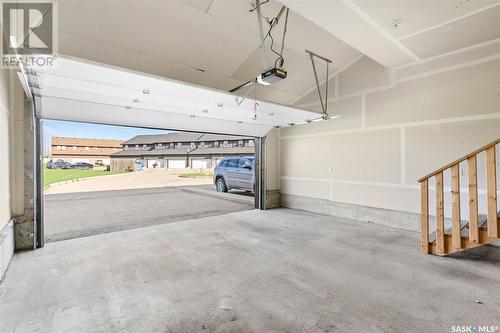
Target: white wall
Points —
{"points": [[397, 126], [5, 212], [6, 227]]}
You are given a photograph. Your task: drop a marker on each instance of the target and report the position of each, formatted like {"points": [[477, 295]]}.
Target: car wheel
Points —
{"points": [[220, 185]]}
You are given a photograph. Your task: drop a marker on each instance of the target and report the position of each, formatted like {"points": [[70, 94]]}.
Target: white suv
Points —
{"points": [[235, 173]]}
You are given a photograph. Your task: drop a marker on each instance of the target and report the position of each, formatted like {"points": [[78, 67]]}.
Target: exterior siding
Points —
{"points": [[203, 149], [82, 149]]}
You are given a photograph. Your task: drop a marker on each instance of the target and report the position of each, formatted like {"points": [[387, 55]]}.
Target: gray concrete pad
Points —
{"points": [[72, 215], [252, 271]]}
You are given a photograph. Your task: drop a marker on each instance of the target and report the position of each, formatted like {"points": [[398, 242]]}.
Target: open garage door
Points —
{"points": [[87, 92], [75, 90]]}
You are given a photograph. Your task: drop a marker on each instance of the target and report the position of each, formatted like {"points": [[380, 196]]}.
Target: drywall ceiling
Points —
{"points": [[418, 15], [396, 32], [215, 43], [211, 43], [76, 90]]}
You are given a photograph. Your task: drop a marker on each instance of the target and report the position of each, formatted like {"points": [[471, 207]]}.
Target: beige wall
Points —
{"points": [[17, 146], [272, 158], [397, 126], [4, 148]]}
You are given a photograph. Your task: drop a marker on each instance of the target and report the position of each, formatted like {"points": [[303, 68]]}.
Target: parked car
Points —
{"points": [[235, 173], [82, 166], [59, 164]]}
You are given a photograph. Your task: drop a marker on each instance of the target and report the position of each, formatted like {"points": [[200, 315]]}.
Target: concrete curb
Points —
{"points": [[84, 178], [225, 196]]}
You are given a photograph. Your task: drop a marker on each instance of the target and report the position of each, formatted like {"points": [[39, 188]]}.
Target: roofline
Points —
{"points": [[199, 139]]}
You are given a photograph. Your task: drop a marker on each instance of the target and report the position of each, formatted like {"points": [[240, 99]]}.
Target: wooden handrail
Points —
{"points": [[478, 235], [449, 165]]}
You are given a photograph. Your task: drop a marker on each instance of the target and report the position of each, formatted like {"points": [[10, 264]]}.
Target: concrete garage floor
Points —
{"points": [[252, 271], [72, 215]]}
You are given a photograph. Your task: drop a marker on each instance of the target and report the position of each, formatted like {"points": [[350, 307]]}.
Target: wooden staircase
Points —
{"points": [[478, 233]]}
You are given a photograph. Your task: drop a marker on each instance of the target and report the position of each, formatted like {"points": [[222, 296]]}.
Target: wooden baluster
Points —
{"points": [[424, 207], [473, 213], [491, 189], [455, 205], [440, 246]]}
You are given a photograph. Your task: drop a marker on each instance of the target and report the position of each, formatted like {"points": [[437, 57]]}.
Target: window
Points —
{"points": [[202, 144], [216, 144], [63, 147], [171, 145], [244, 164], [74, 147], [87, 148], [179, 145], [58, 147], [125, 147], [144, 147], [233, 163], [193, 144], [240, 143], [225, 144], [250, 143], [136, 147], [159, 146], [223, 164]]}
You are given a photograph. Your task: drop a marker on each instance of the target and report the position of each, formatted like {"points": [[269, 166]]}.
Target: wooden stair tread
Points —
{"points": [[466, 244]]}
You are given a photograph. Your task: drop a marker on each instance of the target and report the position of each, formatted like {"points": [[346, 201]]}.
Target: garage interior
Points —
{"points": [[379, 148]]}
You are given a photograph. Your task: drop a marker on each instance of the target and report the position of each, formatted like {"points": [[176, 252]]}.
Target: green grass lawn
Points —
{"points": [[196, 175], [51, 176]]}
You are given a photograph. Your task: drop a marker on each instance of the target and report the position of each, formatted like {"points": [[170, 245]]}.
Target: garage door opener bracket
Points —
{"points": [[324, 104]]}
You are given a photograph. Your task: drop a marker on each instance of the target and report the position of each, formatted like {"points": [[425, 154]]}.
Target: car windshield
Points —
{"points": [[251, 159]]}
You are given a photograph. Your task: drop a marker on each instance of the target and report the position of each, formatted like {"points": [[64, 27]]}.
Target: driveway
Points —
{"points": [[134, 180], [73, 215]]}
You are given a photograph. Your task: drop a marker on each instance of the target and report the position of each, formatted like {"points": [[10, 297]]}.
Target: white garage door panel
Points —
{"points": [[77, 90], [176, 164], [201, 164], [60, 109]]}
